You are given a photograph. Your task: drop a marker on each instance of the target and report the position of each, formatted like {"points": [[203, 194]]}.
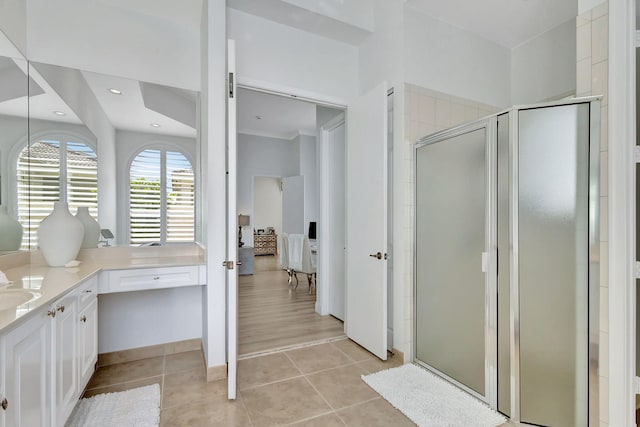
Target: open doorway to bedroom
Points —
{"points": [[278, 191]]}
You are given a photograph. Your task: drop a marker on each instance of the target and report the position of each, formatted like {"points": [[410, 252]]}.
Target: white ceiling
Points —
{"points": [[281, 117], [128, 111], [506, 22]]}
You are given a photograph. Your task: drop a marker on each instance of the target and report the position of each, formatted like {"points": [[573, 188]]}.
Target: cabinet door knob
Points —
{"points": [[87, 291], [83, 319], [60, 308], [156, 278], [51, 313], [5, 404]]}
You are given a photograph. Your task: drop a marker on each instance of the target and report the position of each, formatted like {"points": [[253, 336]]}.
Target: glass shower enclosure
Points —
{"points": [[506, 260]]}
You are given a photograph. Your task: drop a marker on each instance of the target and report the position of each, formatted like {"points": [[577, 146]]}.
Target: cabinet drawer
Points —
{"points": [[148, 278], [87, 291]]}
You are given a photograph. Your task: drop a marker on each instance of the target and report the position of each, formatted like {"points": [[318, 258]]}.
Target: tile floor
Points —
{"points": [[318, 385]]}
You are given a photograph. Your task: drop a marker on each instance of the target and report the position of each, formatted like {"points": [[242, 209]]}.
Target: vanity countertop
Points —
{"points": [[50, 283]]}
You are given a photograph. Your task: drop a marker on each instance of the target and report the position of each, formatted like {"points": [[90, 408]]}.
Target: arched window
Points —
{"points": [[52, 169], [161, 197]]}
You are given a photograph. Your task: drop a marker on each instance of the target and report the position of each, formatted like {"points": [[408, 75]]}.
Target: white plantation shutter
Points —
{"points": [[161, 198], [180, 198], [145, 198], [82, 178], [40, 172]]}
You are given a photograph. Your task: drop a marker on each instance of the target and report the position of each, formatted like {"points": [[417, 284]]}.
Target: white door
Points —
{"points": [[366, 311], [293, 205], [232, 227], [336, 238]]}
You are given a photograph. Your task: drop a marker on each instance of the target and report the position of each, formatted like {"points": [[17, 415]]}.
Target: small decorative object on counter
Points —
{"points": [[91, 228], [10, 231], [60, 236]]}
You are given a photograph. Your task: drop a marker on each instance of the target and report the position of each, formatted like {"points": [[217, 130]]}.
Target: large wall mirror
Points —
{"points": [[127, 150]]}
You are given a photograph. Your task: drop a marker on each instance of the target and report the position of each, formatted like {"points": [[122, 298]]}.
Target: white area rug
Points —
{"points": [[429, 400], [138, 407]]}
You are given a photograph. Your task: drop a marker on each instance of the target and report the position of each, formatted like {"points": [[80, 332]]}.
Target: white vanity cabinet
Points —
{"points": [[65, 357], [140, 279], [26, 352], [48, 360], [87, 330]]}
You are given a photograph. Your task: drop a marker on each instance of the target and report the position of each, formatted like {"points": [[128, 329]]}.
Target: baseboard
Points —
{"points": [[147, 352], [397, 354], [215, 373]]}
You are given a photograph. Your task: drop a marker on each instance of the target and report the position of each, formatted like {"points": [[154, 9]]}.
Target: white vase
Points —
{"points": [[91, 228], [60, 236], [10, 231]]}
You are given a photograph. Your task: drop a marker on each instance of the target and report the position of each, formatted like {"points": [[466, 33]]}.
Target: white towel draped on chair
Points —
{"points": [[296, 244], [300, 260]]}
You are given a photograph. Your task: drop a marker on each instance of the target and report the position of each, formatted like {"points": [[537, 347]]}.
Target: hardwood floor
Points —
{"points": [[273, 315]]}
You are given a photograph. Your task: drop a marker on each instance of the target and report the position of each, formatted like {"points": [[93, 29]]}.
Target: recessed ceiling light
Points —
{"points": [[115, 91], [59, 113], [155, 125]]}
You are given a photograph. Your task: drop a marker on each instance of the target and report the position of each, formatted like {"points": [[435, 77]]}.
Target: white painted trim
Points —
{"points": [[324, 228], [622, 293], [291, 92], [267, 134]]}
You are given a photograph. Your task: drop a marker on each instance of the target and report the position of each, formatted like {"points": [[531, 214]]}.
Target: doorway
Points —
{"points": [[279, 181]]}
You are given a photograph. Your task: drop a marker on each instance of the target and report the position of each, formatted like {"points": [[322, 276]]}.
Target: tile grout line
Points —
{"points": [[246, 408]]}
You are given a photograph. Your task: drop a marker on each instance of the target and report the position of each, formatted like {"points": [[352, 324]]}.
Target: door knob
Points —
{"points": [[376, 255]]}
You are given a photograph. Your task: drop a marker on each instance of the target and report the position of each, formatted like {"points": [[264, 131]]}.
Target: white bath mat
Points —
{"points": [[138, 407], [430, 401]]}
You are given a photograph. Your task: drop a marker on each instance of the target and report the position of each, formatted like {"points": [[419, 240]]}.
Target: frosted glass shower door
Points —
{"points": [[451, 213]]}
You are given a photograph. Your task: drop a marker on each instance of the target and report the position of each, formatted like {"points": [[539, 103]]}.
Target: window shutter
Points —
{"points": [[38, 187], [39, 179], [82, 178], [145, 197], [180, 198]]}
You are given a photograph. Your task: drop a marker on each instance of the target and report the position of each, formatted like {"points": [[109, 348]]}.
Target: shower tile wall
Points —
{"points": [[592, 56], [425, 112]]}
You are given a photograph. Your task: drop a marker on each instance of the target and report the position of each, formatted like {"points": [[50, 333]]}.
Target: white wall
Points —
{"points": [[13, 22], [267, 203], [380, 56], [213, 72], [586, 5], [105, 37], [545, 66], [447, 59], [138, 319], [272, 54], [128, 144], [309, 169], [262, 156], [358, 13]]}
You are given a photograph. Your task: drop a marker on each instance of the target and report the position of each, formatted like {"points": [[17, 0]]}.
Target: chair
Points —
{"points": [[300, 260], [283, 254]]}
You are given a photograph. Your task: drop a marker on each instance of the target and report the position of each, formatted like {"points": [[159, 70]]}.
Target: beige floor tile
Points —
{"points": [[377, 365], [342, 387], [188, 387], [186, 361], [265, 369], [124, 386], [283, 402], [216, 412], [353, 350], [129, 371], [374, 413], [318, 357], [328, 420]]}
